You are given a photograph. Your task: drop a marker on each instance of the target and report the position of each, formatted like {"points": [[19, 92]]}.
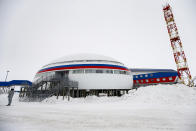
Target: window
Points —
{"points": [[116, 72], [152, 80], [158, 79], [74, 71], [127, 72], [142, 81], [170, 78], [147, 80], [89, 71], [151, 75], [140, 75], [146, 75], [99, 71], [137, 81], [163, 79], [109, 71], [78, 71], [136, 76], [122, 72]]}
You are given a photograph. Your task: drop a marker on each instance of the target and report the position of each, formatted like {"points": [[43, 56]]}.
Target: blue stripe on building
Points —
{"points": [[78, 65]]}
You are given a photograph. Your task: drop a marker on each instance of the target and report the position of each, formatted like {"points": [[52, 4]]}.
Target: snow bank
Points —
{"points": [[152, 108], [88, 99], [157, 94], [163, 94]]}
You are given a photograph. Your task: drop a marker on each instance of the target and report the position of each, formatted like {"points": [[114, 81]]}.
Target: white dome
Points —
{"points": [[97, 71], [81, 57]]}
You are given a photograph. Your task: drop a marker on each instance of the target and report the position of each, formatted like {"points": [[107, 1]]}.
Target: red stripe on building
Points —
{"points": [[82, 67]]}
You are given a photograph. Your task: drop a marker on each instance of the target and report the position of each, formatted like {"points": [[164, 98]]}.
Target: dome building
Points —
{"points": [[91, 72]]}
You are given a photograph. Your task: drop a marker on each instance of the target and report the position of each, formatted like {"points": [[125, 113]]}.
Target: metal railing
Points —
{"points": [[33, 93]]}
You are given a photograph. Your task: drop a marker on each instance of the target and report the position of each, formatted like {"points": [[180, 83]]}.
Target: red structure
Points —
{"points": [[179, 56]]}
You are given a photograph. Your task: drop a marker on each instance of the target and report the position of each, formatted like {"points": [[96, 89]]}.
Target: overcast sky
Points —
{"points": [[35, 32]]}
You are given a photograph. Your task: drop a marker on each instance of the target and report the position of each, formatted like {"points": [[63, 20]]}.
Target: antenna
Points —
{"points": [[176, 44]]}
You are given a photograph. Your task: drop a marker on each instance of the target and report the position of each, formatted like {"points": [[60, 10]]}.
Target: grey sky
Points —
{"points": [[35, 32]]}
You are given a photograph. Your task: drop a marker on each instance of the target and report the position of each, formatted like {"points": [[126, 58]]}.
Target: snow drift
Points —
{"points": [[158, 94], [152, 108]]}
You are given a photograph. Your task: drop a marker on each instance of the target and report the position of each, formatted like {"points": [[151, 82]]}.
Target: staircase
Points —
{"points": [[47, 87]]}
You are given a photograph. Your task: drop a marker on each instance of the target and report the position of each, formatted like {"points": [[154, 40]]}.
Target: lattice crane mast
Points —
{"points": [[176, 44]]}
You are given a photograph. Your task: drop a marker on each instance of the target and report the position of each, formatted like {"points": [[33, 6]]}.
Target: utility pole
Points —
{"points": [[6, 75], [5, 90]]}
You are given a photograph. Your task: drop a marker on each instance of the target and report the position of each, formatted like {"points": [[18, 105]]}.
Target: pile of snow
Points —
{"points": [[177, 94], [164, 94], [157, 94], [88, 99]]}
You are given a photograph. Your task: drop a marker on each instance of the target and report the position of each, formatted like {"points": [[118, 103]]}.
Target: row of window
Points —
{"points": [[152, 80], [79, 71], [146, 75]]}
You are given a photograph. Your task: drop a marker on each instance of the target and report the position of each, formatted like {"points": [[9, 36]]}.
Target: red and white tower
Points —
{"points": [[179, 56]]}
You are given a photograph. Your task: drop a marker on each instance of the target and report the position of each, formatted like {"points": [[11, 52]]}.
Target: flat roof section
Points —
{"points": [[150, 70]]}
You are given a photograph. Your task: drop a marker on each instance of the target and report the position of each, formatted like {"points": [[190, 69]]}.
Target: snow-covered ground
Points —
{"points": [[152, 108]]}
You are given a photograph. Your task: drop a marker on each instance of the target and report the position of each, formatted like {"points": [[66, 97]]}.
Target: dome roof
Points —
{"points": [[81, 57]]}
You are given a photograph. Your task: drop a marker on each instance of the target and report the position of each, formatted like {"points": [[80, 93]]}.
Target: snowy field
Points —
{"points": [[153, 108]]}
